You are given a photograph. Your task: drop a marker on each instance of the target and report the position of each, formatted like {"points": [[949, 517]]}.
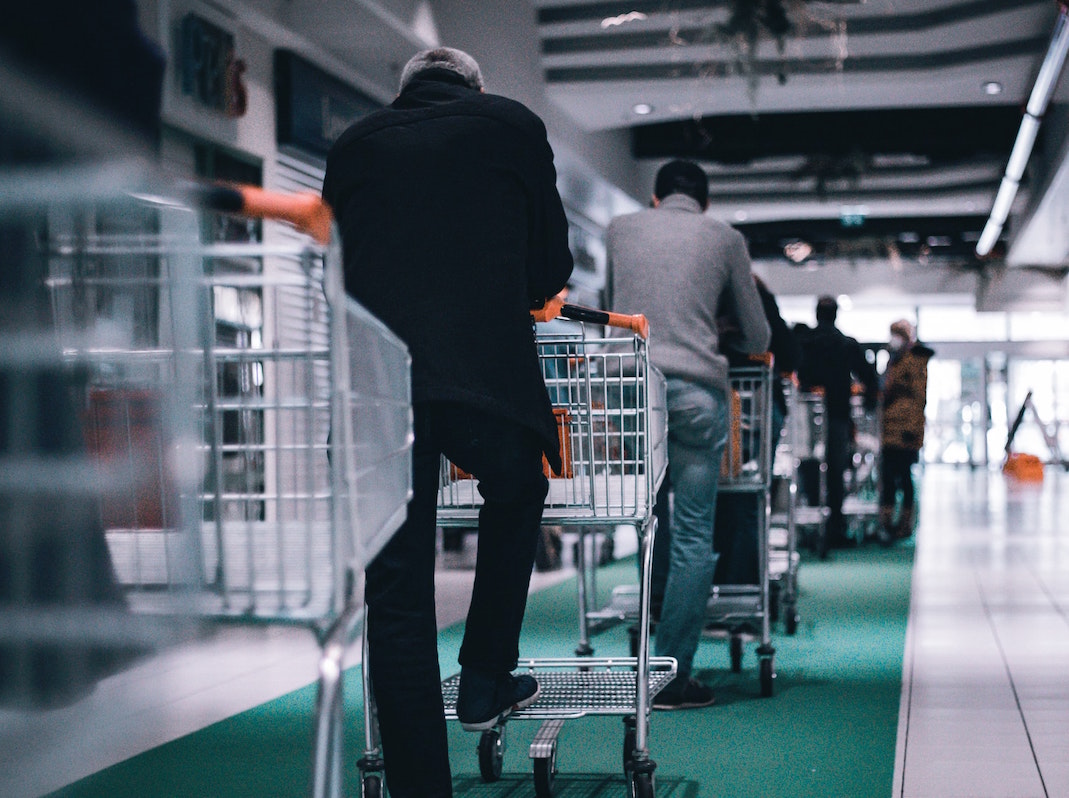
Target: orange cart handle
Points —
{"points": [[637, 323], [307, 212], [555, 307], [765, 359]]}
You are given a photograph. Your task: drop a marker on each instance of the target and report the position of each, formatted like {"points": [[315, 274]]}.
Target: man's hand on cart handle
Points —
{"points": [[557, 307], [550, 308], [307, 212]]}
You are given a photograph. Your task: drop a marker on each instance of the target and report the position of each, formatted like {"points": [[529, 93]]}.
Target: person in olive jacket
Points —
{"points": [[905, 390], [452, 227]]}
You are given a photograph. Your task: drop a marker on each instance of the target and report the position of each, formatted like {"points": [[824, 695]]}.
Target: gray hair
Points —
{"points": [[443, 58]]}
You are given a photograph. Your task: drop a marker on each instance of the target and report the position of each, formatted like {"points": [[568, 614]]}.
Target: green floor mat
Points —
{"points": [[829, 730]]}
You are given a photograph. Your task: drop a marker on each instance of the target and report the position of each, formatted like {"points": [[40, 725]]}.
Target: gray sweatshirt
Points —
{"points": [[673, 263]]}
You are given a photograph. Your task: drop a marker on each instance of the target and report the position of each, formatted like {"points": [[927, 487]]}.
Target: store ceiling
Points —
{"points": [[880, 126], [849, 130]]}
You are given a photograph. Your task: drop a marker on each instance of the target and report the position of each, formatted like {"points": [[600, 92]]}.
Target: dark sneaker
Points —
{"points": [[684, 693], [484, 701]]}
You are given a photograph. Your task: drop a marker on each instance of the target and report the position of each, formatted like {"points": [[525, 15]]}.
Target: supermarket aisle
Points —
{"points": [[985, 700], [985, 706]]}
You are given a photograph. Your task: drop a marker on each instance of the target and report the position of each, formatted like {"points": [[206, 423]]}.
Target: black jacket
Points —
{"points": [[834, 361], [784, 346], [451, 225]]}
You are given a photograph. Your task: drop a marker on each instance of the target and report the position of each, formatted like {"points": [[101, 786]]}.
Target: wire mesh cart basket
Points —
{"points": [[746, 479], [861, 497], [807, 428], [783, 557], [613, 424], [296, 461]]}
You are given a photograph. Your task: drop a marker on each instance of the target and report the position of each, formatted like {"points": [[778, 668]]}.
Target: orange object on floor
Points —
{"points": [[1025, 467]]}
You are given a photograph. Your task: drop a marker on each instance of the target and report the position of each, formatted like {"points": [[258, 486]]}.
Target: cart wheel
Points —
{"points": [[735, 648], [792, 620], [545, 769], [630, 738], [371, 786], [641, 785], [491, 754], [768, 675]]}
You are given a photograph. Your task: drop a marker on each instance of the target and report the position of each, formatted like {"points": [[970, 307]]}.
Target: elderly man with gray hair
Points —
{"points": [[451, 229]]}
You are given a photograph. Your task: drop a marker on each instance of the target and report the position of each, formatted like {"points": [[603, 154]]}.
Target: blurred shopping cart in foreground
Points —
{"points": [[248, 426]]}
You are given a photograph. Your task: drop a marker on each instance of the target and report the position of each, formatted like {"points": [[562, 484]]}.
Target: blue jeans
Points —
{"points": [[697, 434], [401, 626]]}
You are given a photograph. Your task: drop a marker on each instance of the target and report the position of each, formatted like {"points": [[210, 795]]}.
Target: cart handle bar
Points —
{"points": [[307, 212], [554, 308]]}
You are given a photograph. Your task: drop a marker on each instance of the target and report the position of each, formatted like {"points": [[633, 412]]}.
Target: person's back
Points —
{"points": [[697, 260], [435, 198], [834, 361], [829, 361]]}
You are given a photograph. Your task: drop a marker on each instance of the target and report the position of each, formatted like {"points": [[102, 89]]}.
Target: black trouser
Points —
{"points": [[402, 630], [895, 475], [838, 457]]}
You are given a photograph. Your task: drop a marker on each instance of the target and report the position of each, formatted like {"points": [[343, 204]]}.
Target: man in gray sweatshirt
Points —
{"points": [[674, 264]]}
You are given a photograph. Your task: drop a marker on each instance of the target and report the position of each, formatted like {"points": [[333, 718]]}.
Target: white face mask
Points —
{"points": [[897, 343]]}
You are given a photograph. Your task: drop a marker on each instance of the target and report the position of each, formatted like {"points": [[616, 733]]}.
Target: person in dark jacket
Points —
{"points": [[905, 391], [451, 228], [735, 531], [833, 361]]}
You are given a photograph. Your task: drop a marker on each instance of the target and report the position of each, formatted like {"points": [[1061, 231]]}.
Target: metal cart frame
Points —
{"points": [[296, 468], [808, 430], [747, 469], [783, 533], [861, 498], [613, 424]]}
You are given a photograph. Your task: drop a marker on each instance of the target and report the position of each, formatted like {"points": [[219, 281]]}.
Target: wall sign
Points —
{"points": [[208, 69], [313, 107]]}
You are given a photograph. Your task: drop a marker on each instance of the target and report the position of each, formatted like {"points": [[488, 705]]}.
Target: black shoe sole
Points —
{"points": [[684, 705], [484, 725]]}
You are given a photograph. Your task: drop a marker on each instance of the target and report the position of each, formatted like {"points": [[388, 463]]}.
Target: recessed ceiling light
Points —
{"points": [[622, 19], [797, 250], [642, 109], [992, 87]]}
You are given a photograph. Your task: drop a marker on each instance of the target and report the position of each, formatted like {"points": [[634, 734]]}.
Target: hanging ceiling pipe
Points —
{"points": [[1046, 80]]}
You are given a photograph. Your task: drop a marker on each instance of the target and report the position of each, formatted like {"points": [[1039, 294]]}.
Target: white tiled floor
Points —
{"points": [[985, 701]]}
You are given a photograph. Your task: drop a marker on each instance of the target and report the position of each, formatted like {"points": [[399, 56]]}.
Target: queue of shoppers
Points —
{"points": [[452, 228]]}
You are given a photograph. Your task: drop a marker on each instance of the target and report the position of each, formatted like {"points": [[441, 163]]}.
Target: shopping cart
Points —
{"points": [[65, 622], [861, 496], [783, 557], [612, 417], [739, 610], [808, 431], [295, 468]]}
